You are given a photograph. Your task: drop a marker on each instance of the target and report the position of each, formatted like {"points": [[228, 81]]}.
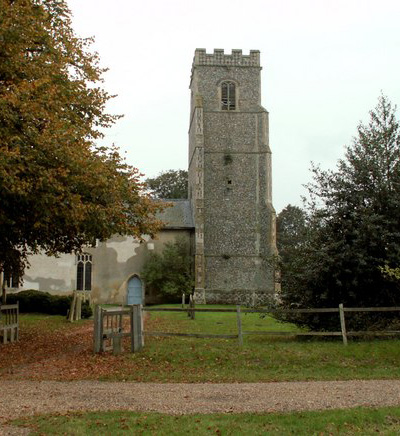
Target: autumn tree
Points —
{"points": [[355, 221], [58, 189], [169, 184]]}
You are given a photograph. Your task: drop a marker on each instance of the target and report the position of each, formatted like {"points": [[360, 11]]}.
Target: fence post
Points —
{"points": [[141, 326], [78, 310], [132, 326], [101, 328], [96, 330], [191, 313], [183, 300], [17, 338], [72, 309], [137, 327], [342, 324], [239, 325]]}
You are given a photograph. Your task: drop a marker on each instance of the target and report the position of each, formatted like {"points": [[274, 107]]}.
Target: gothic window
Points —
{"points": [[228, 96], [84, 272], [11, 280]]}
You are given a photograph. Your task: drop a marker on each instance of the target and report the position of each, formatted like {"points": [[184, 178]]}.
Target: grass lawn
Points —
{"points": [[261, 358], [40, 321], [52, 349], [361, 421]]}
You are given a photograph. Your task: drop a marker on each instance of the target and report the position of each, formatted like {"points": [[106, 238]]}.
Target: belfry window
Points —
{"points": [[84, 272], [228, 96]]}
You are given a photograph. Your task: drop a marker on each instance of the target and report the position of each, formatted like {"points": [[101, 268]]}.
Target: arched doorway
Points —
{"points": [[135, 291]]}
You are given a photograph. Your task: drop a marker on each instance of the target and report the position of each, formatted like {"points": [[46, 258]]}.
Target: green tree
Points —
{"points": [[169, 184], [291, 237], [58, 189], [170, 273], [355, 222], [391, 273]]}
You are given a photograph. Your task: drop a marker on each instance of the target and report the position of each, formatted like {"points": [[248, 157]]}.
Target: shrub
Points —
{"points": [[87, 311], [43, 302]]}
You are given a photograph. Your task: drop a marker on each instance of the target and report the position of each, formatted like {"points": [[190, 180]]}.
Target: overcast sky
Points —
{"points": [[325, 62]]}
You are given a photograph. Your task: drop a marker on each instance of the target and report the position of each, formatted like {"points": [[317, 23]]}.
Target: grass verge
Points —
{"points": [[363, 421]]}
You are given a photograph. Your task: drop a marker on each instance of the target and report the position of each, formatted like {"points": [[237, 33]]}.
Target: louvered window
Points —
{"points": [[228, 96], [84, 272]]}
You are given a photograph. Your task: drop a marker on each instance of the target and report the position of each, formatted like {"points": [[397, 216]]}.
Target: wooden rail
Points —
{"points": [[9, 322], [240, 333], [178, 309]]}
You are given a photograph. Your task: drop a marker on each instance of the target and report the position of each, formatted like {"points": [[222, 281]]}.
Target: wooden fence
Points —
{"points": [[113, 324], [110, 326], [240, 332], [9, 322]]}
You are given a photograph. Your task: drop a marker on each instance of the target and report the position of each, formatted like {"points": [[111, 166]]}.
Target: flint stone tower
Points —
{"points": [[230, 179]]}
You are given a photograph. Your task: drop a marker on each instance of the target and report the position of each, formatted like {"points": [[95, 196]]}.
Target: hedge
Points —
{"points": [[32, 301]]}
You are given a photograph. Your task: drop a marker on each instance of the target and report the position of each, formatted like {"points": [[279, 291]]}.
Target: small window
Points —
{"points": [[228, 96], [84, 272]]}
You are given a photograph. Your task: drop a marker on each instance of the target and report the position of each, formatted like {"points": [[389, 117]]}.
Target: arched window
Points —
{"points": [[84, 272], [228, 96], [11, 280]]}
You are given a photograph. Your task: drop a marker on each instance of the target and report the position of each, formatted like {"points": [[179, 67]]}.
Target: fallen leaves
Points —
{"points": [[64, 353]]}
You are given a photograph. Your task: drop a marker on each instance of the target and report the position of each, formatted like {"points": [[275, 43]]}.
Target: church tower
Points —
{"points": [[230, 179]]}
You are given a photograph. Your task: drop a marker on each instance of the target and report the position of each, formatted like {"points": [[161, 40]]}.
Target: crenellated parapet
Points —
{"points": [[219, 58]]}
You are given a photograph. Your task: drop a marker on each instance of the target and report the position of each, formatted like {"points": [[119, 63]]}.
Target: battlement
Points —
{"points": [[219, 58]]}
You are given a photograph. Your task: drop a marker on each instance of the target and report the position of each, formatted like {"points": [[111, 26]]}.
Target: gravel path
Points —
{"points": [[21, 398]]}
